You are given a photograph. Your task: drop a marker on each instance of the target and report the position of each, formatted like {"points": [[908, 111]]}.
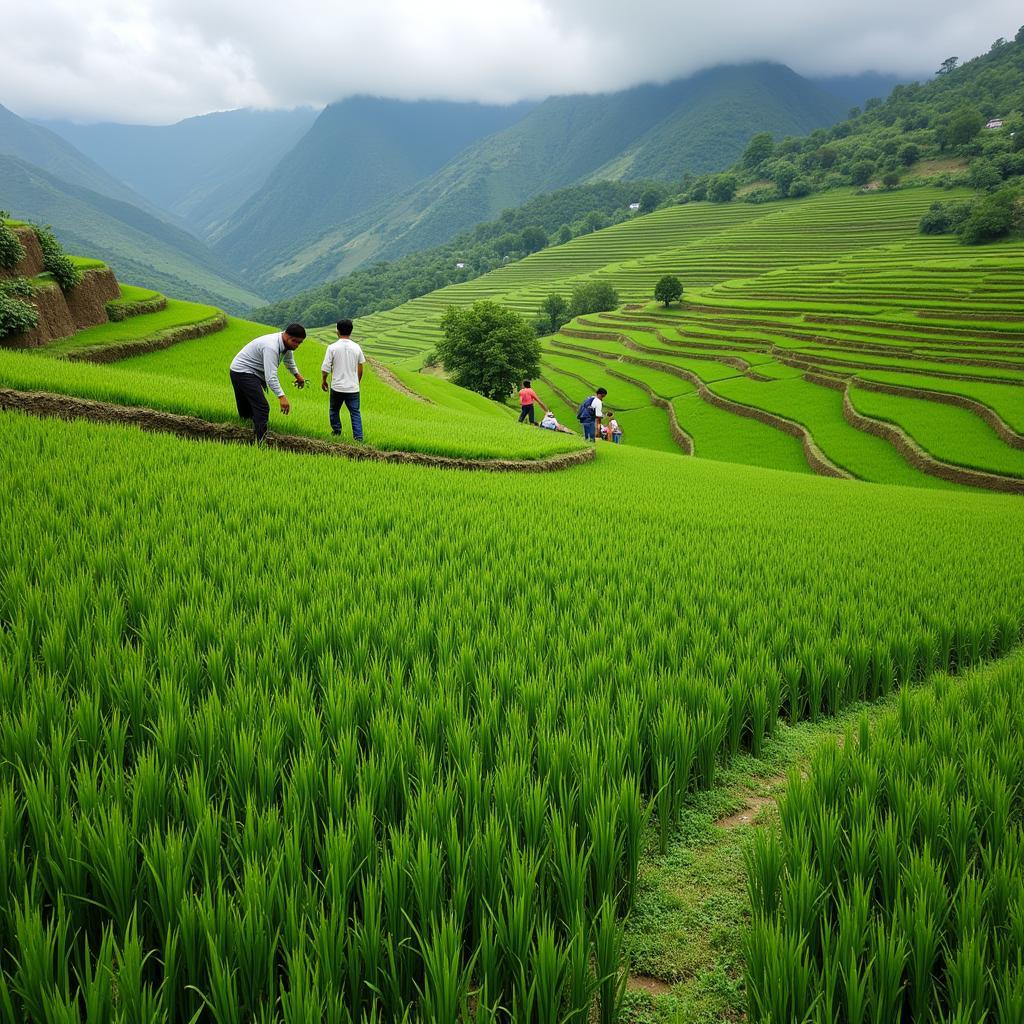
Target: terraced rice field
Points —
{"points": [[791, 313], [293, 740]]}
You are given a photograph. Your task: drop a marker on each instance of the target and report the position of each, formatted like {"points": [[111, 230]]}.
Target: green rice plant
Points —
{"points": [[611, 971], [915, 840]]}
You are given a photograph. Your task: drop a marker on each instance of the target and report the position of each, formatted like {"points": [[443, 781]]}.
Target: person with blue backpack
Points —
{"points": [[590, 412]]}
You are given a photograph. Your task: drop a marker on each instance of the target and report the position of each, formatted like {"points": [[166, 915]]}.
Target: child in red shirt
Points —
{"points": [[527, 396]]}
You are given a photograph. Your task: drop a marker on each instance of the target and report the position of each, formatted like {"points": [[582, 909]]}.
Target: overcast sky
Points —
{"points": [[156, 61]]}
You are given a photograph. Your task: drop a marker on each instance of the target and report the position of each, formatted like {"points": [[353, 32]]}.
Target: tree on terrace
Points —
{"points": [[554, 312], [488, 348], [592, 297], [668, 289]]}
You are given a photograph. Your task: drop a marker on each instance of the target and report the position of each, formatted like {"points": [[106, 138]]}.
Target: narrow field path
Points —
{"points": [[55, 406]]}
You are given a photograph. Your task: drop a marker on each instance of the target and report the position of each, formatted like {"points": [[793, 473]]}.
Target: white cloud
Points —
{"points": [[154, 61]]}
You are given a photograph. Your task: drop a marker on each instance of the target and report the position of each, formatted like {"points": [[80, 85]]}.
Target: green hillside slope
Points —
{"points": [[138, 246], [200, 169], [44, 149], [722, 110], [357, 153]]}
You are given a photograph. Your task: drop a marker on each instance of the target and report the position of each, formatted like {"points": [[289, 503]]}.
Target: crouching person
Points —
{"points": [[254, 370]]}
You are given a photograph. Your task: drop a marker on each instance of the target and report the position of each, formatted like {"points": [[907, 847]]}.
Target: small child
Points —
{"points": [[615, 430]]}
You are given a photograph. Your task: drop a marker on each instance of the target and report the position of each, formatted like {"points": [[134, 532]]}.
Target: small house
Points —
{"points": [[460, 266], [634, 206], [995, 123]]}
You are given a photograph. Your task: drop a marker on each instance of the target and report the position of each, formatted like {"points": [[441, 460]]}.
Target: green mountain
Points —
{"points": [[201, 169], [652, 131], [357, 153], [965, 126], [44, 149], [140, 248], [715, 118]]}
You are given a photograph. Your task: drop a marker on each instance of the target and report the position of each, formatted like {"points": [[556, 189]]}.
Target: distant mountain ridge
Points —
{"points": [[650, 131], [357, 153], [48, 151], [201, 169], [142, 249]]}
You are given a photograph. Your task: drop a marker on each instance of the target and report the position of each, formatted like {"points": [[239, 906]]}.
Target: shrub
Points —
{"points": [[722, 188], [984, 175], [16, 315], [909, 154], [799, 187], [861, 172], [993, 216], [11, 249], [55, 260], [762, 194], [891, 179]]}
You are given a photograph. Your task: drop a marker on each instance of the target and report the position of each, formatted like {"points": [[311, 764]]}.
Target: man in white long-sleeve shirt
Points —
{"points": [[254, 370]]}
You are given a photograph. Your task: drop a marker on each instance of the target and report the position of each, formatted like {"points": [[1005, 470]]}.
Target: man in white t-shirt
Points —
{"points": [[344, 363]]}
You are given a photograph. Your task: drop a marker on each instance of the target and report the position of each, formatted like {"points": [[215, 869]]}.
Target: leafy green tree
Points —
{"points": [[861, 172], [722, 188], [984, 175], [908, 154], [507, 243], [993, 216], [533, 239], [759, 149], [320, 314], [948, 65], [554, 313], [564, 234], [963, 126], [668, 289], [826, 156], [592, 297], [651, 200], [782, 172], [488, 348], [890, 179], [798, 188]]}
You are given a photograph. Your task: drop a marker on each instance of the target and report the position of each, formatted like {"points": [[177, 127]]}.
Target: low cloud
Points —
{"points": [[156, 61]]}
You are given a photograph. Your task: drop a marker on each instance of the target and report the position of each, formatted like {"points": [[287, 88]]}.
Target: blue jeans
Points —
{"points": [[351, 399], [589, 430], [617, 438]]}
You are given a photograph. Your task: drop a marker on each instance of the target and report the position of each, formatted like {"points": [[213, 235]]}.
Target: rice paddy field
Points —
{"points": [[795, 312], [290, 739]]}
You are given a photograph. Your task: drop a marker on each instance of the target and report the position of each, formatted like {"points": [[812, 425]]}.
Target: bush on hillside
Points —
{"points": [[762, 194], [722, 188], [992, 217], [55, 260], [16, 315], [11, 249]]}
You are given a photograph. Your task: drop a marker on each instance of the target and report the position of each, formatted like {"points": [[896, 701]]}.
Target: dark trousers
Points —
{"points": [[526, 410], [350, 399], [251, 401]]}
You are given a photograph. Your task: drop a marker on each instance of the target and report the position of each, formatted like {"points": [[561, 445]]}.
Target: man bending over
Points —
{"points": [[254, 370]]}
